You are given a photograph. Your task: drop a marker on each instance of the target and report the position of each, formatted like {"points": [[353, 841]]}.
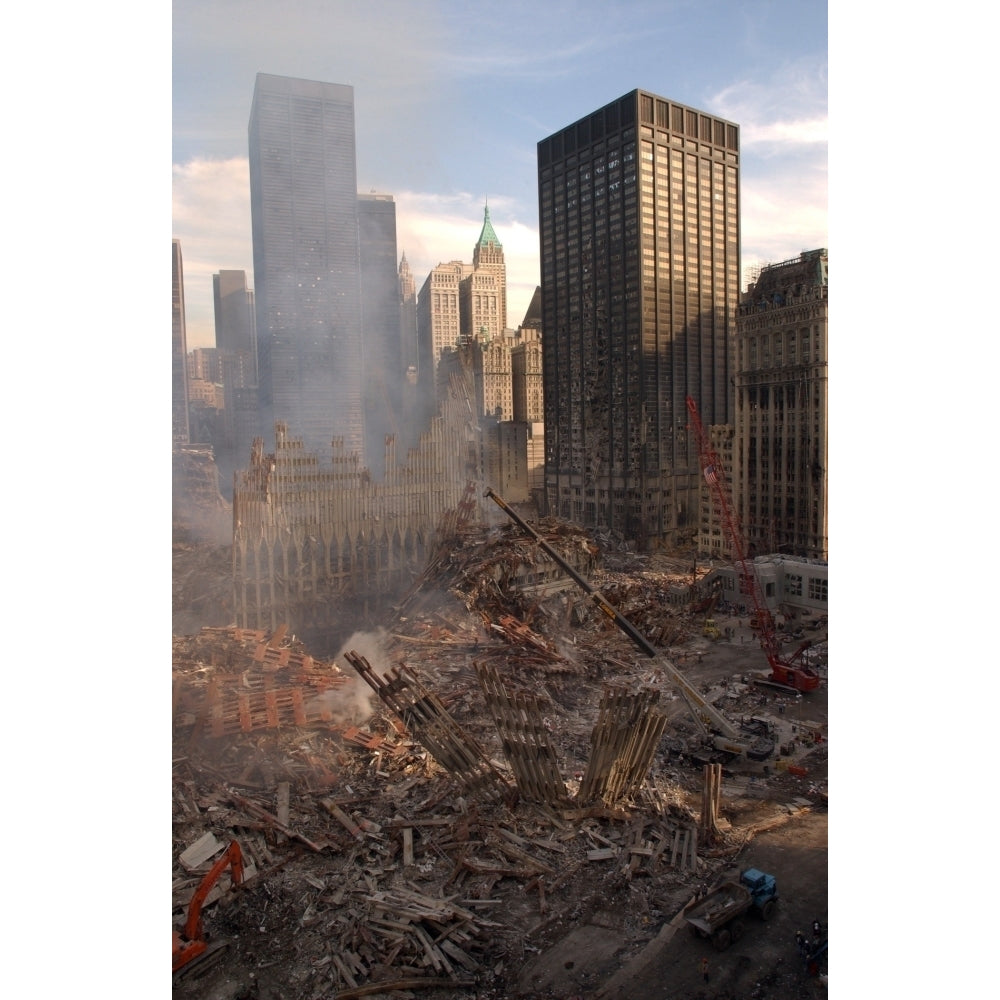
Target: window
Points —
{"points": [[817, 589], [793, 584]]}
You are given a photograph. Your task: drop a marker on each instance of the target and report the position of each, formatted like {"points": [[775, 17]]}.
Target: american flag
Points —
{"points": [[710, 476]]}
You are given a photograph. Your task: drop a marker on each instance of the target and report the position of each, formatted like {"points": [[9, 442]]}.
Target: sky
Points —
{"points": [[452, 96]]}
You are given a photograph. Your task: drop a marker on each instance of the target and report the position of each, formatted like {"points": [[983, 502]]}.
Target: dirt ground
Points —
{"points": [[604, 934], [763, 965]]}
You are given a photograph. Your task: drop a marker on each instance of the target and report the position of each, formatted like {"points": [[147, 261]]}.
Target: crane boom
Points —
{"points": [[784, 669], [724, 735]]}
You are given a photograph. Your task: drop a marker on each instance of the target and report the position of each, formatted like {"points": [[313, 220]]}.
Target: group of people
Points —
{"points": [[805, 948]]}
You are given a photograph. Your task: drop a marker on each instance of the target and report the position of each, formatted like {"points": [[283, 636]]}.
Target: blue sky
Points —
{"points": [[452, 97]]}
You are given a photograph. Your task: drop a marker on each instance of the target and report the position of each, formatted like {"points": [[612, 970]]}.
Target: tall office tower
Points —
{"points": [[180, 422], [304, 210], [439, 324], [383, 356], [640, 260], [460, 304], [236, 320], [781, 408], [487, 258]]}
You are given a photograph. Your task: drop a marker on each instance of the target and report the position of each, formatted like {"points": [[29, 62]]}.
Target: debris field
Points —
{"points": [[439, 809]]}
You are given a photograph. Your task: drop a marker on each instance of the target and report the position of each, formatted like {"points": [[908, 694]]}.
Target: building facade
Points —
{"points": [[527, 389], [640, 244], [439, 322], [307, 270], [380, 317], [179, 360], [236, 321], [460, 303], [488, 259], [781, 408]]}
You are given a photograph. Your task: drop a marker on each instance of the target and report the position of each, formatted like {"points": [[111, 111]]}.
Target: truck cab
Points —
{"points": [[763, 888]]}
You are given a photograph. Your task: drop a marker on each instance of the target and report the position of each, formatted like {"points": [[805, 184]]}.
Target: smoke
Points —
{"points": [[355, 703]]}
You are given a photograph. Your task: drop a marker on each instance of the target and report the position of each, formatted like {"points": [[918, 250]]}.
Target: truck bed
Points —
{"points": [[727, 901]]}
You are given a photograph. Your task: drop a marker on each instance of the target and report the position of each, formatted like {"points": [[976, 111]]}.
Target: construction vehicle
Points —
{"points": [[718, 917], [786, 671], [716, 728], [190, 943], [710, 630]]}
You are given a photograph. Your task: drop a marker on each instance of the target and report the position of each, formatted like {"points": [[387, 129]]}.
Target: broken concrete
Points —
{"points": [[383, 862]]}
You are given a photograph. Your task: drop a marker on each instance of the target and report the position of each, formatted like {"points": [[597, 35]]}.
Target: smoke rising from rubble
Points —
{"points": [[355, 704]]}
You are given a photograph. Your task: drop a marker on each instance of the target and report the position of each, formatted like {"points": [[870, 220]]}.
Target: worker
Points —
{"points": [[800, 943], [704, 969], [816, 930]]}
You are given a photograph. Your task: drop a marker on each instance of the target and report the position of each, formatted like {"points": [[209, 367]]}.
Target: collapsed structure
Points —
{"points": [[430, 808], [305, 533]]}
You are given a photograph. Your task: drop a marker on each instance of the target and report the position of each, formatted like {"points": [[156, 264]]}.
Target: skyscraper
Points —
{"points": [[304, 209], [236, 345], [236, 320], [180, 424], [640, 265], [460, 303], [487, 258], [382, 350]]}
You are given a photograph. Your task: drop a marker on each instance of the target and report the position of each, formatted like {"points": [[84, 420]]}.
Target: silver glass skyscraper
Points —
{"points": [[307, 280], [640, 266], [180, 424]]}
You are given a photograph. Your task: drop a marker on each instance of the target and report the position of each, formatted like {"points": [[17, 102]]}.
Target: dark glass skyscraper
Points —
{"points": [[640, 267], [307, 281]]}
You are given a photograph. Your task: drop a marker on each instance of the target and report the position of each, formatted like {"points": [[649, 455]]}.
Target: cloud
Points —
{"points": [[783, 158], [789, 107], [211, 218]]}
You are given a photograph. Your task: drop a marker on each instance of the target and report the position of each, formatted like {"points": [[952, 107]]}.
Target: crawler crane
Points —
{"points": [[787, 671], [717, 729]]}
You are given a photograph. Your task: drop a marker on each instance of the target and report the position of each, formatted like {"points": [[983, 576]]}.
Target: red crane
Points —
{"points": [[788, 671]]}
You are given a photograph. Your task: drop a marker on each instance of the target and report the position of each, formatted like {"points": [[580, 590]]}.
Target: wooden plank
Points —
{"points": [[283, 801], [451, 949], [407, 846], [343, 970], [602, 854]]}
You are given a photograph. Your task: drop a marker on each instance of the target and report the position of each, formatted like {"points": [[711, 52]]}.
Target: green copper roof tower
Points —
{"points": [[487, 255]]}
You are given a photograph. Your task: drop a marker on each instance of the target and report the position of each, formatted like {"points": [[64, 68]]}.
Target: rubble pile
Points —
{"points": [[355, 787]]}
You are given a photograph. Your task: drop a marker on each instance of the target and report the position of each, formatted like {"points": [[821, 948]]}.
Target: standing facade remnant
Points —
{"points": [[426, 717], [308, 535], [525, 740], [623, 743]]}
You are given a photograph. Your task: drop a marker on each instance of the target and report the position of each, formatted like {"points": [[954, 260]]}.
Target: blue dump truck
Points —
{"points": [[719, 916]]}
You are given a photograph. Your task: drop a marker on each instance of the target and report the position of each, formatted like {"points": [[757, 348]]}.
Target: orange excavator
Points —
{"points": [[190, 942]]}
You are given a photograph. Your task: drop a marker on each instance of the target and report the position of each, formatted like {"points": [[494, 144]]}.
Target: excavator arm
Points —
{"points": [[189, 943]]}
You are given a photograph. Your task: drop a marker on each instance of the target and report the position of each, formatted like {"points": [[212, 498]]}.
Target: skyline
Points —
{"points": [[443, 70]]}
